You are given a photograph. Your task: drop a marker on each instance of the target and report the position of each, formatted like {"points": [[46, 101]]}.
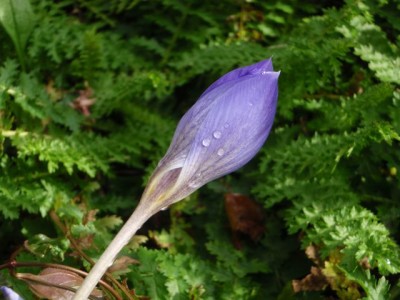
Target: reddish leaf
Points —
{"points": [[364, 263], [121, 264], [315, 281], [84, 101], [245, 216], [312, 253], [53, 276]]}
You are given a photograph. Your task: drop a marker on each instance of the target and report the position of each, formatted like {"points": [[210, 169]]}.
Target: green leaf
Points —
{"points": [[148, 278], [18, 19], [375, 289]]}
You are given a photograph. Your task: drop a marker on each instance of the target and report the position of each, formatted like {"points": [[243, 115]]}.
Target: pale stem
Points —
{"points": [[136, 220]]}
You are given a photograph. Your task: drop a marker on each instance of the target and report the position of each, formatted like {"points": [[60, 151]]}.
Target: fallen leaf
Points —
{"points": [[315, 281], [54, 276], [84, 101], [313, 254], [85, 242], [326, 275], [245, 216], [364, 263], [121, 265], [90, 216], [54, 93]]}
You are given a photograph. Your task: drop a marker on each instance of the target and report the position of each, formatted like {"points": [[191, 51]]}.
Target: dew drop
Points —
{"points": [[264, 72], [220, 152], [217, 134], [206, 142], [251, 104], [226, 125], [198, 174]]}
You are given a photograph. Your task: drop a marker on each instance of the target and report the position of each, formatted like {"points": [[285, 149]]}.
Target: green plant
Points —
{"points": [[91, 91]]}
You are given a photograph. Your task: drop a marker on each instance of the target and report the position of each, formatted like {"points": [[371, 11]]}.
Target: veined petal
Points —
{"points": [[257, 68], [188, 125], [220, 133], [9, 294], [233, 131]]}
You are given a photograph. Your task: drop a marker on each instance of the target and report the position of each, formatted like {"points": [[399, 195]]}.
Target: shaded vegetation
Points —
{"points": [[91, 92]]}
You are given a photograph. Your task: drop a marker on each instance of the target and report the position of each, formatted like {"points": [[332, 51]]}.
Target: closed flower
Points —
{"points": [[223, 130], [9, 294]]}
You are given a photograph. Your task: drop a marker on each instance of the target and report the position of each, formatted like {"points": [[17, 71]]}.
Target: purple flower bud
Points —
{"points": [[223, 130], [9, 294]]}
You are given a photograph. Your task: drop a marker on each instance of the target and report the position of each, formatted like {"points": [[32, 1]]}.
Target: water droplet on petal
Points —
{"points": [[251, 103], [217, 134], [226, 125], [206, 142], [198, 174], [264, 72], [220, 152]]}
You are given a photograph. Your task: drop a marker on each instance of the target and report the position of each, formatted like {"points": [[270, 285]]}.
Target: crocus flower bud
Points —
{"points": [[9, 294], [223, 130]]}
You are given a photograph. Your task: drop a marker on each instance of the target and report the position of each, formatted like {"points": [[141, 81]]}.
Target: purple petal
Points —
{"points": [[188, 125], [234, 130], [9, 294], [220, 133], [255, 69]]}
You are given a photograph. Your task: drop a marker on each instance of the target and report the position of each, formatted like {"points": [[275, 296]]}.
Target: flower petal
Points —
{"points": [[188, 125], [9, 294], [234, 130], [220, 133], [254, 69]]}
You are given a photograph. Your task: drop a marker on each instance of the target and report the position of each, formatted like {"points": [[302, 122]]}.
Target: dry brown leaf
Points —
{"points": [[313, 254], [85, 242], [245, 216], [121, 264], [84, 101], [326, 275], [54, 93], [315, 281], [53, 276], [364, 263], [90, 216]]}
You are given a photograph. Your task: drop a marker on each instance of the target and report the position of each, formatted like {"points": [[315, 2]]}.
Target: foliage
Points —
{"points": [[89, 99]]}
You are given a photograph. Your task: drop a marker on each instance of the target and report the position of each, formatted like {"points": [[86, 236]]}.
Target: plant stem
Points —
{"points": [[75, 245], [10, 133], [136, 220]]}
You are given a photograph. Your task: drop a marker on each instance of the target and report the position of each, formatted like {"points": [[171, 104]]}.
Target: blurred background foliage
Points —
{"points": [[91, 92]]}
